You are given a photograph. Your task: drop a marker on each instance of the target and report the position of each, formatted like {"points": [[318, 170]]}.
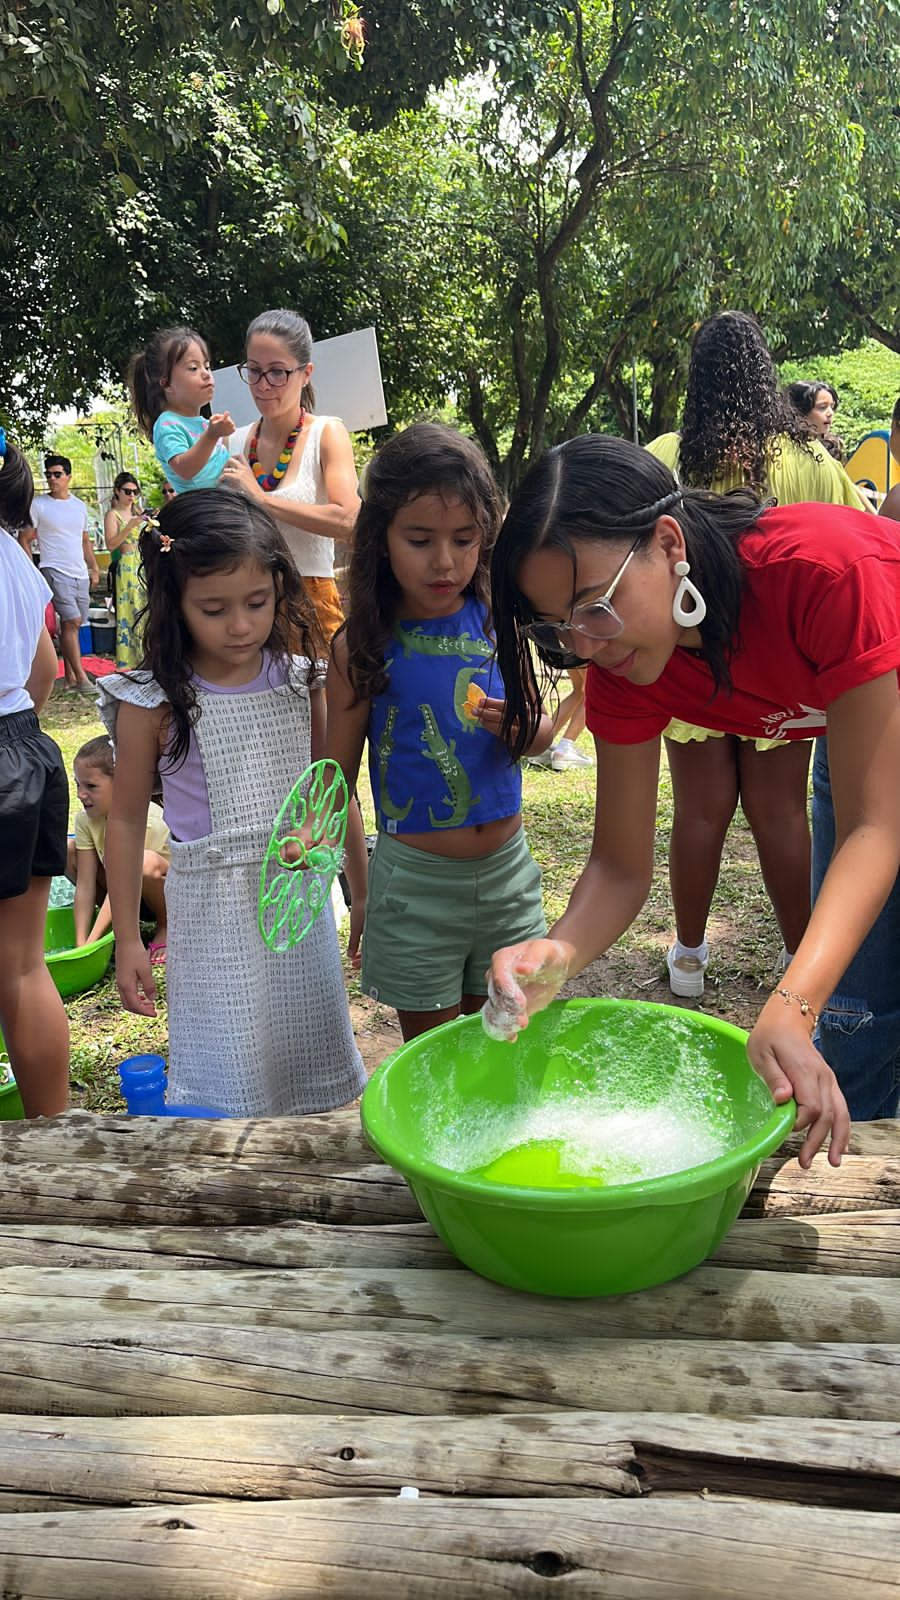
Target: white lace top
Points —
{"points": [[313, 555]]}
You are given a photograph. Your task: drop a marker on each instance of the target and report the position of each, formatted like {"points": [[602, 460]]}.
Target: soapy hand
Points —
{"points": [[522, 979]]}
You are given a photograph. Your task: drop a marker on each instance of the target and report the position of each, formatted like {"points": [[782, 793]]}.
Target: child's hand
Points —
{"points": [[522, 979], [220, 425], [489, 713], [134, 976], [782, 1052], [357, 922]]}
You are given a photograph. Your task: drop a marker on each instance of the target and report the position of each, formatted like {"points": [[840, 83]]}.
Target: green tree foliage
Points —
{"points": [[613, 175]]}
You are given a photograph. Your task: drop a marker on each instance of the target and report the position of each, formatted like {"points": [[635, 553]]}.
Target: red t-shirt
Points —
{"points": [[820, 614]]}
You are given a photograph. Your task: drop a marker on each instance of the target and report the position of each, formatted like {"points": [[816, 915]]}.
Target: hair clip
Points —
{"points": [[165, 543], [2, 448]]}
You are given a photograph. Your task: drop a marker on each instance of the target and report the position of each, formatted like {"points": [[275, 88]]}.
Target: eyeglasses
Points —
{"points": [[125, 490], [596, 620], [275, 377], [55, 472]]}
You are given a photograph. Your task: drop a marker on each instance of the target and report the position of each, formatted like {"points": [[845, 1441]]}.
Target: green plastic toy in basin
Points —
{"points": [[610, 1148], [71, 969]]}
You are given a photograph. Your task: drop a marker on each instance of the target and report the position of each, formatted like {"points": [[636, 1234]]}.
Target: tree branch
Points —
{"points": [[873, 328], [475, 411]]}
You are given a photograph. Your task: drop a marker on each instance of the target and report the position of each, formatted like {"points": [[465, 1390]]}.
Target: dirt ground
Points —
{"points": [[625, 974]]}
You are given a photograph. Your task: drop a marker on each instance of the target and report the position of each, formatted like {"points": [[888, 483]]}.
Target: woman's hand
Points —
{"points": [[522, 979], [134, 976], [782, 1052], [238, 474]]}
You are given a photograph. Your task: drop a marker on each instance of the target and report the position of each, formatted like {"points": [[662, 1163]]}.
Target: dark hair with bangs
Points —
{"points": [[213, 530], [150, 372], [734, 411], [426, 458], [595, 490]]}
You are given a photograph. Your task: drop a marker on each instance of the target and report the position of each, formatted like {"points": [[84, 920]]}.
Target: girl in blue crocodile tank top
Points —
{"points": [[413, 671]]}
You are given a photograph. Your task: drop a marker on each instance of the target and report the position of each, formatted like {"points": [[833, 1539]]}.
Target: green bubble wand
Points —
{"points": [[303, 856]]}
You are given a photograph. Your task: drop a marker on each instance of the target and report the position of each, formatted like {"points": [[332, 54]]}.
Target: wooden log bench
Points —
{"points": [[226, 1347]]}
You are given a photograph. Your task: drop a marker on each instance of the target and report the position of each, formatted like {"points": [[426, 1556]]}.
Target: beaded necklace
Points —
{"points": [[270, 480]]}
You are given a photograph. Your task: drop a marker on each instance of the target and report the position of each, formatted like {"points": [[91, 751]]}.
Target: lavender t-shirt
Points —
{"points": [[185, 794]]}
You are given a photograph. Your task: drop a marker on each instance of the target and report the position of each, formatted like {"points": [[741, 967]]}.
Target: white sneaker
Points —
{"points": [[545, 759], [565, 755], [686, 975]]}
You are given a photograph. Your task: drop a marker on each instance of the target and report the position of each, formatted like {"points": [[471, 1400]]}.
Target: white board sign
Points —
{"points": [[346, 380]]}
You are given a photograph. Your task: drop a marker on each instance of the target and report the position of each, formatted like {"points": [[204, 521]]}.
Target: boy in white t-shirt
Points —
{"points": [[68, 563]]}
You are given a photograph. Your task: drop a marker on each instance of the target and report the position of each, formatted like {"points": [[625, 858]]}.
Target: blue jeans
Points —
{"points": [[859, 1030]]}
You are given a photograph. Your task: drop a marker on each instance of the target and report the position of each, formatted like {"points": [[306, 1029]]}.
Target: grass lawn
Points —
{"points": [[743, 934]]}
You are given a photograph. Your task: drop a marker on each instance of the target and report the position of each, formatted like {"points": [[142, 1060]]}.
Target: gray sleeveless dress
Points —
{"points": [[251, 1032]]}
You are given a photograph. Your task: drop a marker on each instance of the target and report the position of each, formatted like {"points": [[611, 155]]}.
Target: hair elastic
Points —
{"points": [[2, 448]]}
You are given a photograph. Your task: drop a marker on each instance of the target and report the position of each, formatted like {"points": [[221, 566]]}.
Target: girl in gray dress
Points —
{"points": [[229, 719]]}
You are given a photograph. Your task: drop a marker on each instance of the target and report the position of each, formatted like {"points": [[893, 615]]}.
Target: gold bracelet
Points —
{"points": [[806, 1009]]}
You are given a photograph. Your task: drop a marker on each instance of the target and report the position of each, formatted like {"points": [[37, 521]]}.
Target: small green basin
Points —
{"points": [[654, 1114], [71, 969]]}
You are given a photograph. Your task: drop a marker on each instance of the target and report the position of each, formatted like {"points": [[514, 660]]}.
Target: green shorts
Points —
{"points": [[432, 924]]}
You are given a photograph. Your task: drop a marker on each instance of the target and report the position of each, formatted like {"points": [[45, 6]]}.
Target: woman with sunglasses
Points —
{"points": [[298, 465], [706, 607], [121, 526]]}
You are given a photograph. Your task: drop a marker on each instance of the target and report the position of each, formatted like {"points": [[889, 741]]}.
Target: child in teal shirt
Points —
{"points": [[169, 382]]}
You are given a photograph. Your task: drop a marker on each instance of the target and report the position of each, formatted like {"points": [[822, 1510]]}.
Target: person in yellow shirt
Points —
{"points": [[739, 432], [94, 767]]}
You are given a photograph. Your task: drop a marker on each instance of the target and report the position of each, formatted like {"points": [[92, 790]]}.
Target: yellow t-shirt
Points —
{"points": [[794, 474], [90, 832]]}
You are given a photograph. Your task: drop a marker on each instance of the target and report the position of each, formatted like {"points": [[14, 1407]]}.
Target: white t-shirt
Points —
{"points": [[60, 525], [23, 598]]}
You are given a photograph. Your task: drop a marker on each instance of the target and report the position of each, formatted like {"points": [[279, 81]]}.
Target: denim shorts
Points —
{"points": [[71, 596], [433, 923], [859, 1029]]}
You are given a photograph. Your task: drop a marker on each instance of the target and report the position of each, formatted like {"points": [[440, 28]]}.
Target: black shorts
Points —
{"points": [[34, 805]]}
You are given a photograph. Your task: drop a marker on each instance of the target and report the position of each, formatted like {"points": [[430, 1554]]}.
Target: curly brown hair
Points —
{"points": [[734, 412], [426, 458]]}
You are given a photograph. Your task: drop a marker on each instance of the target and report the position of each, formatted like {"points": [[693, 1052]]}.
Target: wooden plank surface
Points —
{"points": [[469, 1550], [708, 1303], [226, 1346], [128, 1366], [50, 1463], [863, 1243]]}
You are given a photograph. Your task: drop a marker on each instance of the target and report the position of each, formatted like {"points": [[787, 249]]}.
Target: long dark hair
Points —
{"points": [[734, 411], [150, 372], [597, 489], [212, 530], [426, 458], [16, 488]]}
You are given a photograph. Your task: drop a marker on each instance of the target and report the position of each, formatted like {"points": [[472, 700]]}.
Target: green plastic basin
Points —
{"points": [[73, 969], [446, 1105]]}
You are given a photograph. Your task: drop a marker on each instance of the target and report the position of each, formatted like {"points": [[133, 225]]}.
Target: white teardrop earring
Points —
{"points": [[692, 618]]}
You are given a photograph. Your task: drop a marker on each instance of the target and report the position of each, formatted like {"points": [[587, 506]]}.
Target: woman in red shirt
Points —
{"points": [[707, 608]]}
